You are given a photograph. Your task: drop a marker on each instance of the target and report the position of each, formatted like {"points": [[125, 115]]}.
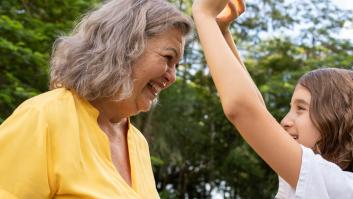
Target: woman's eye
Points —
{"points": [[168, 57]]}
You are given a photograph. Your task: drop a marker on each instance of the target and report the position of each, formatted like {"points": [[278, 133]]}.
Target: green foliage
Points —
{"points": [[27, 31], [195, 150]]}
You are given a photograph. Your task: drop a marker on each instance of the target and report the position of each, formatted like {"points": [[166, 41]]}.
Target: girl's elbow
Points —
{"points": [[231, 116], [240, 109], [231, 110]]}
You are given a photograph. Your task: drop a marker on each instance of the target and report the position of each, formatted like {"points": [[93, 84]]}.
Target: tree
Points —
{"points": [[27, 31], [195, 150]]}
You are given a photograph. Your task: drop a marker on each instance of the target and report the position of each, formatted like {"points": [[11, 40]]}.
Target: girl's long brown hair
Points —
{"points": [[331, 110]]}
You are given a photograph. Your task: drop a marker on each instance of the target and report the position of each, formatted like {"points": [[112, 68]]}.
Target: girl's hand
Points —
{"points": [[231, 12], [208, 7]]}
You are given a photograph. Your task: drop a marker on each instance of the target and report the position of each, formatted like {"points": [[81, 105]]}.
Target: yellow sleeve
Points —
{"points": [[6, 195], [23, 155]]}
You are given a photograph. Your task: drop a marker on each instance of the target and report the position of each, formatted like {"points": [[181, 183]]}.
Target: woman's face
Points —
{"points": [[155, 70], [297, 122]]}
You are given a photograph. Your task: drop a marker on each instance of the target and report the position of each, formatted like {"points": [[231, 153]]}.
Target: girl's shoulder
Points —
{"points": [[318, 179]]}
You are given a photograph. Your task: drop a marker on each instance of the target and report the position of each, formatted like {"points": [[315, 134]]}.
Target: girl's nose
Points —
{"points": [[287, 122]]}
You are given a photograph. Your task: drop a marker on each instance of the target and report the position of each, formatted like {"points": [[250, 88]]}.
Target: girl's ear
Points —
{"points": [[316, 148]]}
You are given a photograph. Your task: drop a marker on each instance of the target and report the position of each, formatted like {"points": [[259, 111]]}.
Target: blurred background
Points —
{"points": [[195, 152]]}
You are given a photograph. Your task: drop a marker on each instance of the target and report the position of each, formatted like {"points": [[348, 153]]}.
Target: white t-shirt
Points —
{"points": [[318, 179]]}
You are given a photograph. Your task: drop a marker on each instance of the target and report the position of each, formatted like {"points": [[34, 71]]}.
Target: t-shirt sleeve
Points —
{"points": [[23, 155], [320, 179], [285, 191]]}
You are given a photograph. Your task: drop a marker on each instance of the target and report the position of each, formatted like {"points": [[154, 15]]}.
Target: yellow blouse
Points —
{"points": [[52, 147]]}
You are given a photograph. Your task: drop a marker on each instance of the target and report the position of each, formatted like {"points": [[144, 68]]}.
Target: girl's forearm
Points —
{"points": [[225, 68], [230, 41]]}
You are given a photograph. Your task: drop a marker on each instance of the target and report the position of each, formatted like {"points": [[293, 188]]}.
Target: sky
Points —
{"points": [[347, 33], [344, 4]]}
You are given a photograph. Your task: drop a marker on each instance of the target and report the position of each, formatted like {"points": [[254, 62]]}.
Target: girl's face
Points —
{"points": [[297, 122]]}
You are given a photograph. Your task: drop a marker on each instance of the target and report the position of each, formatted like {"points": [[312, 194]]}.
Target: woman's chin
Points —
{"points": [[150, 105], [145, 106]]}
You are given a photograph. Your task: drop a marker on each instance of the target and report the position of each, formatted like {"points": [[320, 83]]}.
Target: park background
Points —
{"points": [[196, 153]]}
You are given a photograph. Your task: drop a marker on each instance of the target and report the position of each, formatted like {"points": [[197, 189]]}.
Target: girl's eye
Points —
{"points": [[177, 65], [300, 108]]}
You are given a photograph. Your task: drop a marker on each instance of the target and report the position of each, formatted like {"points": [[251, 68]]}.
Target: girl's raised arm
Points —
{"points": [[239, 96], [231, 12]]}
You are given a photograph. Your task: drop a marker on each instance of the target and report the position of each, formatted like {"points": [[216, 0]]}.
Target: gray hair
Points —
{"points": [[95, 60]]}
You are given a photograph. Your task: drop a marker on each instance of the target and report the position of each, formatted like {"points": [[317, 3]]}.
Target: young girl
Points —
{"points": [[313, 149]]}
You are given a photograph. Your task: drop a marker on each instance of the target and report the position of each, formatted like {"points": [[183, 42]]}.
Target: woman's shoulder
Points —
{"points": [[54, 103], [49, 98]]}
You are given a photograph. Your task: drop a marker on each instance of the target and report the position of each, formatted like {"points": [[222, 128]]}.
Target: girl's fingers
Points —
{"points": [[232, 7], [240, 6]]}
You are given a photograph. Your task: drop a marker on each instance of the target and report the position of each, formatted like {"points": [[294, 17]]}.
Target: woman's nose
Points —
{"points": [[170, 76]]}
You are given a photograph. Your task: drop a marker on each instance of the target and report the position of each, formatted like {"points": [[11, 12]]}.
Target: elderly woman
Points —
{"points": [[76, 141]]}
